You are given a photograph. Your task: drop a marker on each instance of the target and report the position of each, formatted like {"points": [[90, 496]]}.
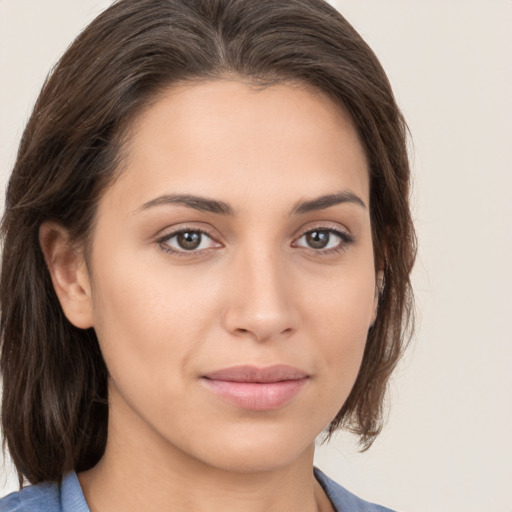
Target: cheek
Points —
{"points": [[149, 320], [338, 320]]}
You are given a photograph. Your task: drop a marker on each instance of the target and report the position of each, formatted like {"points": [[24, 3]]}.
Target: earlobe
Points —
{"points": [[69, 274]]}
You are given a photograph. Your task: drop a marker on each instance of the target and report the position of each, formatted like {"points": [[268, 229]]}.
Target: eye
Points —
{"points": [[324, 239], [187, 240]]}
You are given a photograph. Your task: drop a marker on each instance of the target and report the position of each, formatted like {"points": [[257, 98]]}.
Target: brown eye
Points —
{"points": [[318, 239], [189, 240], [324, 240]]}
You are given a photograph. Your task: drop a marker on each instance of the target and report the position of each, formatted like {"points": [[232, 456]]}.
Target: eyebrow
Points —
{"points": [[196, 202], [323, 202], [206, 204]]}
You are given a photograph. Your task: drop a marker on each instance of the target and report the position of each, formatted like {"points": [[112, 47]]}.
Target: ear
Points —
{"points": [[379, 284], [69, 274]]}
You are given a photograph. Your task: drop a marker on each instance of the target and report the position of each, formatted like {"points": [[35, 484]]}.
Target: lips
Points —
{"points": [[253, 388]]}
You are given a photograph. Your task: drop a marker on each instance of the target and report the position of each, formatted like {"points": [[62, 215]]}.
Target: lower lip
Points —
{"points": [[256, 396]]}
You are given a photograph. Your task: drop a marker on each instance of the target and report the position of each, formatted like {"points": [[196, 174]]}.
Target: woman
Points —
{"points": [[210, 202]]}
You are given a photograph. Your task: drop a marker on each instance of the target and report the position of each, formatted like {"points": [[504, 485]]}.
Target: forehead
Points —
{"points": [[224, 137]]}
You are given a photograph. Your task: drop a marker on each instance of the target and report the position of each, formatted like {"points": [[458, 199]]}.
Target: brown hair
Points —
{"points": [[54, 405]]}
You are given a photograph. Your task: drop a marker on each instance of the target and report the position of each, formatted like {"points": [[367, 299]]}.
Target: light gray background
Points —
{"points": [[447, 445]]}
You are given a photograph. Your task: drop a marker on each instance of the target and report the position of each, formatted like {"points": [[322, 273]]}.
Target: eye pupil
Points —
{"points": [[189, 240], [317, 239]]}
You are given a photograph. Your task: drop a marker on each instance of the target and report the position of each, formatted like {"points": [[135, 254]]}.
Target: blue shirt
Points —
{"points": [[68, 497]]}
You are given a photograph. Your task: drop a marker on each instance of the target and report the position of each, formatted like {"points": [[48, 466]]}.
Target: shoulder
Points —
{"points": [[42, 497], [344, 500], [47, 497]]}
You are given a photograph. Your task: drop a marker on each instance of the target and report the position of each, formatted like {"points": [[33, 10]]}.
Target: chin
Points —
{"points": [[252, 450]]}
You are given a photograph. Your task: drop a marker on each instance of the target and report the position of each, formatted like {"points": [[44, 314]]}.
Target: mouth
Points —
{"points": [[258, 389]]}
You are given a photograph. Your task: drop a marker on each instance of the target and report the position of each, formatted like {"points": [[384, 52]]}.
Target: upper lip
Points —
{"points": [[247, 373]]}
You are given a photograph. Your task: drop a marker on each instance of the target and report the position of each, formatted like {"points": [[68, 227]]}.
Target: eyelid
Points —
{"points": [[168, 233], [346, 238]]}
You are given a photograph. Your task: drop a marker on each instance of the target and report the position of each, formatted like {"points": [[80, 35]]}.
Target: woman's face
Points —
{"points": [[232, 276]]}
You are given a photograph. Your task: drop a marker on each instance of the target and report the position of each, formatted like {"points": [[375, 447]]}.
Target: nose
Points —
{"points": [[261, 302]]}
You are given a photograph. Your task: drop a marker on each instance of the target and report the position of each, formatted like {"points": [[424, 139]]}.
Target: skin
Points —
{"points": [[254, 292]]}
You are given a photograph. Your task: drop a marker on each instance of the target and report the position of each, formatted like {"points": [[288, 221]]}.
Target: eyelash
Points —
{"points": [[164, 245], [345, 241]]}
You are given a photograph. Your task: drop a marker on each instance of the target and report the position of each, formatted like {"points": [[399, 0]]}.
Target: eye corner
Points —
{"points": [[188, 242], [324, 243]]}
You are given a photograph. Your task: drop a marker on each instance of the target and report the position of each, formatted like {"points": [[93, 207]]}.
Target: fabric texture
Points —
{"points": [[47, 497], [343, 500], [68, 497]]}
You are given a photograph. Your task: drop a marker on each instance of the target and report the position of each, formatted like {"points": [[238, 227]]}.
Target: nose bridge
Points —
{"points": [[261, 304]]}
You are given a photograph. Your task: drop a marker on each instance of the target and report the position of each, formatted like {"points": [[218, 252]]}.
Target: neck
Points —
{"points": [[155, 475], [108, 489], [138, 483]]}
